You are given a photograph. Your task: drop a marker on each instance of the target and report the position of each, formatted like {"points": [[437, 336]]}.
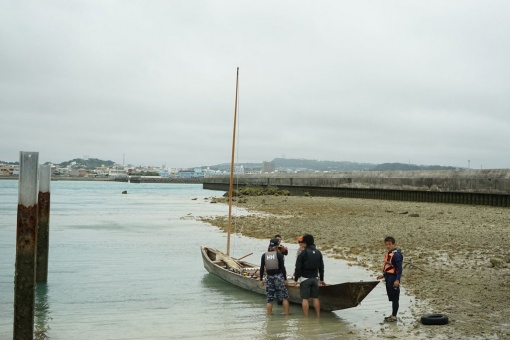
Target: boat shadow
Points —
{"points": [[230, 292]]}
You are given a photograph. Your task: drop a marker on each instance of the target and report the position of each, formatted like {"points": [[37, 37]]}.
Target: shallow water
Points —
{"points": [[129, 267]]}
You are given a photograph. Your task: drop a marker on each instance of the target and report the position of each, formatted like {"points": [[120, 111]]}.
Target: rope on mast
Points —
{"points": [[237, 161], [231, 186]]}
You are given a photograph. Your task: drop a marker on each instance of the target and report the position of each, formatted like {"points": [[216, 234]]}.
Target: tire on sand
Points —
{"points": [[434, 319]]}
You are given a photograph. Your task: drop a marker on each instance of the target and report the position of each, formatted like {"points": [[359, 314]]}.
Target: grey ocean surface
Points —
{"points": [[129, 267]]}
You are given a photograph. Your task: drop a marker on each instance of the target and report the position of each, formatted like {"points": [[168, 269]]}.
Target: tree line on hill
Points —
{"points": [[333, 166], [90, 163], [279, 164]]}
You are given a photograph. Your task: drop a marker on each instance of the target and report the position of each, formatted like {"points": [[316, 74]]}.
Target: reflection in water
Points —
{"points": [[251, 306], [42, 312], [296, 326]]}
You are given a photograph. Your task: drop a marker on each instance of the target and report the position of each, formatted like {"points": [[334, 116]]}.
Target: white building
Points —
{"points": [[115, 172]]}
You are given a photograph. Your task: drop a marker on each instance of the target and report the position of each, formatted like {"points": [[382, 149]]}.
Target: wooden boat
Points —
{"points": [[246, 275]]}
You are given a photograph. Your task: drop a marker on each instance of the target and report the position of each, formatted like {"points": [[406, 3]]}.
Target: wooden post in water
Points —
{"points": [[43, 230], [26, 243]]}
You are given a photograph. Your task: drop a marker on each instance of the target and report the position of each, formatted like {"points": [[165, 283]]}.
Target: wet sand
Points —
{"points": [[457, 257]]}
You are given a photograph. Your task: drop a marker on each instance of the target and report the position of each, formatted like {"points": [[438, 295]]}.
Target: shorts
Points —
{"points": [[275, 288], [393, 293], [309, 288]]}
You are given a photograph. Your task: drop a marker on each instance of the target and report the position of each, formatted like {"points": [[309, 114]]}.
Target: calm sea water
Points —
{"points": [[129, 267]]}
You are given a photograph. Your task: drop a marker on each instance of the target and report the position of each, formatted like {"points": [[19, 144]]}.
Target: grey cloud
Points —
{"points": [[371, 82]]}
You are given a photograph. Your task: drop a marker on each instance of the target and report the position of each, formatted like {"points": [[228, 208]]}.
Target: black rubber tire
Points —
{"points": [[434, 319]]}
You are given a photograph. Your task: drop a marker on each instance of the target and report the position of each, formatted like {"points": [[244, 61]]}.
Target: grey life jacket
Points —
{"points": [[271, 260]]}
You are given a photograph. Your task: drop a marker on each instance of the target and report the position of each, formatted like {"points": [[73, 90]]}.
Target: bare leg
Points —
{"points": [[286, 306], [269, 308], [317, 306], [305, 306]]}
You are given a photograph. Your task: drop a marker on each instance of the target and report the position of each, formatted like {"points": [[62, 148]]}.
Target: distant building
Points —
{"points": [[79, 172], [59, 171], [186, 173], [117, 173], [191, 173], [6, 170], [209, 172], [239, 170], [102, 171]]}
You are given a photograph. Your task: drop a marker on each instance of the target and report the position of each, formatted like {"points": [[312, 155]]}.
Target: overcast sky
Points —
{"points": [[367, 81]]}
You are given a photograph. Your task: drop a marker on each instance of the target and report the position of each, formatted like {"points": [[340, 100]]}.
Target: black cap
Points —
{"points": [[273, 243], [308, 239]]}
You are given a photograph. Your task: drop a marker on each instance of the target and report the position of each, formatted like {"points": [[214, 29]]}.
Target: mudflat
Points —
{"points": [[457, 257]]}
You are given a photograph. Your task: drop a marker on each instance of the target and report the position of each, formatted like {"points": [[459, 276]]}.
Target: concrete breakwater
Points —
{"points": [[143, 179], [132, 179], [479, 187]]}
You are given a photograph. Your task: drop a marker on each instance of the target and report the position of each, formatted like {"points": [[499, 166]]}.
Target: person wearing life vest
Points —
{"points": [[392, 271], [281, 249], [276, 279], [310, 274]]}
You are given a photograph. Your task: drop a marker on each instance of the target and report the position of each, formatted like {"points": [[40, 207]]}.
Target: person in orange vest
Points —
{"points": [[302, 245], [392, 271]]}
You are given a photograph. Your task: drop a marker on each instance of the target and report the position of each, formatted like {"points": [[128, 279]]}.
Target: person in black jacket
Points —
{"points": [[276, 279], [310, 274]]}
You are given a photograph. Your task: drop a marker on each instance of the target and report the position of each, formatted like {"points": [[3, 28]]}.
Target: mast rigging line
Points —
{"points": [[237, 161], [231, 186]]}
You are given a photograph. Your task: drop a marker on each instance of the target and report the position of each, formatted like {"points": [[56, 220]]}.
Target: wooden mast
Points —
{"points": [[231, 188]]}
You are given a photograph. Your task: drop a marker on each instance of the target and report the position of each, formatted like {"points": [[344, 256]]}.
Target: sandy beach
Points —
{"points": [[456, 257]]}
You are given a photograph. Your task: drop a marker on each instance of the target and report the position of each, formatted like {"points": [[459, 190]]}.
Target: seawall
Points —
{"points": [[480, 187], [134, 179]]}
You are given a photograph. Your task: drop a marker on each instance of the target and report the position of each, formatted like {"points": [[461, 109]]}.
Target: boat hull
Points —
{"points": [[332, 297]]}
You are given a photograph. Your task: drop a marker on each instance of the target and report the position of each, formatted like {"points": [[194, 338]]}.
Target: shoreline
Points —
{"points": [[456, 256], [135, 180], [56, 179]]}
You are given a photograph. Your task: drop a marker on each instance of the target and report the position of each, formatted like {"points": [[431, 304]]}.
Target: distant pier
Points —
{"points": [[133, 179], [477, 187], [146, 179]]}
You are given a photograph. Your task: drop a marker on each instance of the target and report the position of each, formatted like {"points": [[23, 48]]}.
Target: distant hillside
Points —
{"points": [[304, 165], [409, 167], [90, 163], [226, 166]]}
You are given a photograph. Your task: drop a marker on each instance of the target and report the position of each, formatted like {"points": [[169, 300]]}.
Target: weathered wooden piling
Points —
{"points": [[26, 243], [43, 230]]}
